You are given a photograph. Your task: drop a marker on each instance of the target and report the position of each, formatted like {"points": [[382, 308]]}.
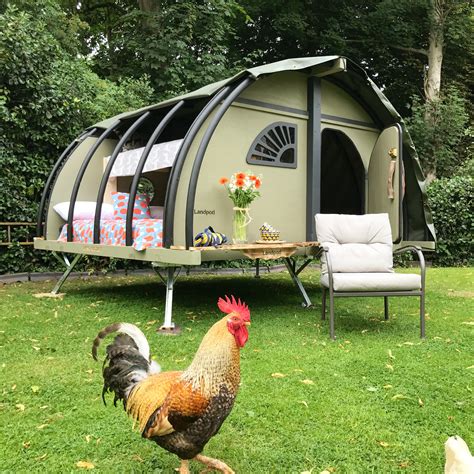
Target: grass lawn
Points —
{"points": [[377, 400]]}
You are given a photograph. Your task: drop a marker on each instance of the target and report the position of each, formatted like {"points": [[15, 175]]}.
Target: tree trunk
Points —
{"points": [[435, 49], [438, 11], [150, 6]]}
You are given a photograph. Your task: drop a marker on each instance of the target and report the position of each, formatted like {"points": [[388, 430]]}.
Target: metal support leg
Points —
{"points": [[69, 268], [323, 307], [168, 326], [291, 266], [422, 315], [331, 315], [385, 307], [257, 268]]}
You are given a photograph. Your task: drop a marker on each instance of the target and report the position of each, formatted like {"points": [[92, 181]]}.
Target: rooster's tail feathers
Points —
{"points": [[127, 361]]}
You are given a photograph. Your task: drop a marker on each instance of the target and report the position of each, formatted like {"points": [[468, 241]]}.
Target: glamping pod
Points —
{"points": [[319, 131]]}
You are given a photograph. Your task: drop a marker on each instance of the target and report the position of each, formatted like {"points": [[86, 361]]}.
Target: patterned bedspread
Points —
{"points": [[146, 232]]}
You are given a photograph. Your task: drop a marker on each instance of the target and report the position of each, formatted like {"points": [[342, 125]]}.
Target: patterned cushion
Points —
{"points": [[141, 209]]}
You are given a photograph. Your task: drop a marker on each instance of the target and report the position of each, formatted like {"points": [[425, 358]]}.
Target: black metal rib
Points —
{"points": [[400, 184], [108, 170], [40, 229], [237, 90], [80, 175], [141, 164], [172, 188]]}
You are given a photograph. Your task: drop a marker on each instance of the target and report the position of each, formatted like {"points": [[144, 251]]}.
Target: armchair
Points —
{"points": [[357, 260]]}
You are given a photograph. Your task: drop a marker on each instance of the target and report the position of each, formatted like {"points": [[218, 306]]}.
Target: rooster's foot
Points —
{"points": [[214, 464], [184, 468]]}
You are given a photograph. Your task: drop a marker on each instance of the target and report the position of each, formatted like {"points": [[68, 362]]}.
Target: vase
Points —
{"points": [[240, 222]]}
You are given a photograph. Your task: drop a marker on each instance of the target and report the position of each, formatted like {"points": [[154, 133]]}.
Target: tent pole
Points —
{"points": [[40, 227], [108, 170], [236, 91], [80, 175], [141, 164], [172, 188]]}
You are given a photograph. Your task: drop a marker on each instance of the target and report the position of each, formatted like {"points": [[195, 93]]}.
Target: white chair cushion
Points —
{"points": [[373, 281], [357, 244]]}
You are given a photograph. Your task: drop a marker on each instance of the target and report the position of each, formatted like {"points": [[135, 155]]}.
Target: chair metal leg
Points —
{"points": [[331, 315], [291, 266], [385, 304], [323, 305], [257, 268], [422, 315]]}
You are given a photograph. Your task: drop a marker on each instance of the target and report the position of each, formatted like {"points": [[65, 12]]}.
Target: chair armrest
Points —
{"points": [[329, 265], [421, 259]]}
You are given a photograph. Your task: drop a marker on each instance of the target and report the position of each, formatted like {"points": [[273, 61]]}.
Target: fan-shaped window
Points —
{"points": [[275, 145]]}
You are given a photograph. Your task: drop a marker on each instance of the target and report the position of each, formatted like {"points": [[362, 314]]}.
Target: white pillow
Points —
{"points": [[84, 210], [157, 212]]}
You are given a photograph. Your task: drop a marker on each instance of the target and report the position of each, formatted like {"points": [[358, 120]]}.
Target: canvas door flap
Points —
{"points": [[385, 178]]}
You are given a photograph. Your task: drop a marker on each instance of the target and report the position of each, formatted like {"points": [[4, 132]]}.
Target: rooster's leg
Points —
{"points": [[184, 468], [214, 464]]}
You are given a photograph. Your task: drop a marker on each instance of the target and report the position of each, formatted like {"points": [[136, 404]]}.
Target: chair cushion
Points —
{"points": [[373, 281], [356, 244]]}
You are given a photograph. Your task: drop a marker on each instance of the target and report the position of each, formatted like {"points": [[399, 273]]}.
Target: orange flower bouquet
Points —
{"points": [[242, 188]]}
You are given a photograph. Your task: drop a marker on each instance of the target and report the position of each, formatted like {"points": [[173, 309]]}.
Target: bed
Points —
{"points": [[147, 233]]}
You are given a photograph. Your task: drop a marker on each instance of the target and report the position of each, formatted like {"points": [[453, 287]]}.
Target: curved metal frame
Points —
{"points": [[136, 178], [172, 188], [237, 90], [80, 175], [108, 170], [40, 229]]}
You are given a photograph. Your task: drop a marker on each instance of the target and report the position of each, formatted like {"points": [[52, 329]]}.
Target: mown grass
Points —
{"points": [[377, 400]]}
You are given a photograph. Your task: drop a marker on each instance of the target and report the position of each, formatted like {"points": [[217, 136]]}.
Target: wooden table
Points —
{"points": [[271, 251], [264, 251]]}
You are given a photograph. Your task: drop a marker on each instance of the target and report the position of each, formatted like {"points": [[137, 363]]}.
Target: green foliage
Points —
{"points": [[181, 46], [452, 204], [440, 132], [379, 400], [48, 94]]}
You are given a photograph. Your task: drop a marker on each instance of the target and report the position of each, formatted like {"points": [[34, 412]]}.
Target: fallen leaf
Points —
{"points": [[277, 375], [85, 465], [136, 457], [35, 388], [36, 348], [408, 343], [389, 367], [89, 371], [307, 382], [41, 458], [26, 444], [388, 386], [383, 444], [43, 407], [470, 323], [399, 396], [20, 406], [390, 354], [304, 403], [404, 464], [470, 367], [14, 386], [420, 402], [372, 389], [88, 438], [40, 427]]}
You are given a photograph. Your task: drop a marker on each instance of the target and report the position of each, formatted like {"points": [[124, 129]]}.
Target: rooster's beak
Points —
{"points": [[247, 323]]}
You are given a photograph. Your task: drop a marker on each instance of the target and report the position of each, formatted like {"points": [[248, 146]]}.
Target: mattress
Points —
{"points": [[146, 233]]}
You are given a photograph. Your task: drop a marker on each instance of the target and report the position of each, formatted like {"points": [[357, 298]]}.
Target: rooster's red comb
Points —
{"points": [[231, 305]]}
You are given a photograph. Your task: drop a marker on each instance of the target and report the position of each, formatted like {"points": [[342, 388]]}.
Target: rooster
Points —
{"points": [[180, 411]]}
